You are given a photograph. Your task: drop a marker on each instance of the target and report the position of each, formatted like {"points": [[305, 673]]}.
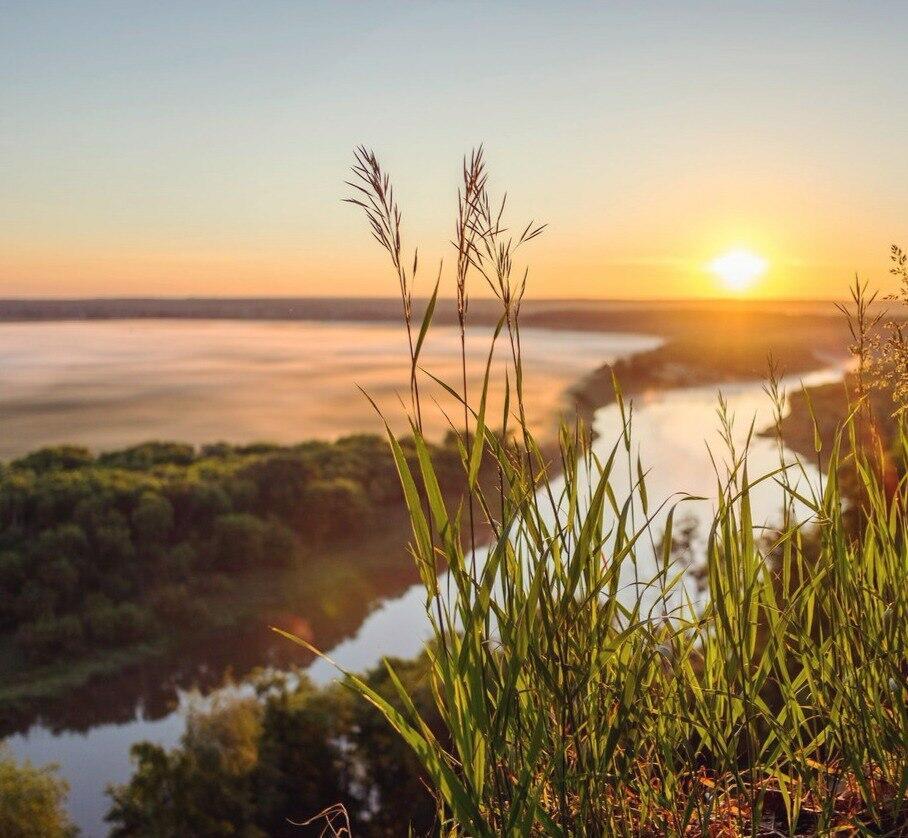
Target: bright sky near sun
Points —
{"points": [[200, 148]]}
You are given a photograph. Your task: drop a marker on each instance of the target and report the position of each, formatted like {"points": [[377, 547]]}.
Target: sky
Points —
{"points": [[184, 149]]}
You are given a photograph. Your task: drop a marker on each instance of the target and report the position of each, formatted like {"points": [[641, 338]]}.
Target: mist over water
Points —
{"points": [[110, 384]]}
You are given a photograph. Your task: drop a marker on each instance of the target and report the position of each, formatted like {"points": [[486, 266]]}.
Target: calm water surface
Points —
{"points": [[116, 383], [110, 384], [674, 433], [285, 382]]}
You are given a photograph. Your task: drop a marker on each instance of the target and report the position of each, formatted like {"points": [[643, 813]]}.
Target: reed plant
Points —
{"points": [[584, 688]]}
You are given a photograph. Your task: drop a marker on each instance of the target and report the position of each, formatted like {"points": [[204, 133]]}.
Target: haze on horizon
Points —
{"points": [[201, 149]]}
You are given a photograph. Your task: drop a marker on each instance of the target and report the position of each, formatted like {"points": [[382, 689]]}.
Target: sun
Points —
{"points": [[738, 269]]}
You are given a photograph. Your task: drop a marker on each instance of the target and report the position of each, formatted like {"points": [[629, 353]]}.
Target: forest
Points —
{"points": [[129, 547]]}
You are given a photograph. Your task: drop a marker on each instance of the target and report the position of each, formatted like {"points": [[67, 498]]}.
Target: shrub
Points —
{"points": [[32, 801]]}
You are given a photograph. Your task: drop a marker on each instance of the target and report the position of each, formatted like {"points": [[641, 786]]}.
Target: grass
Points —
{"points": [[729, 352], [582, 690]]}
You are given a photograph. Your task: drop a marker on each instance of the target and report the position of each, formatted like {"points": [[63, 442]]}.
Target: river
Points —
{"points": [[673, 432], [111, 384]]}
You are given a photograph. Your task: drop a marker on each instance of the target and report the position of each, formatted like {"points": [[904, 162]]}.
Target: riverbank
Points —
{"points": [[148, 701], [825, 408], [325, 598], [255, 598], [108, 561], [722, 356]]}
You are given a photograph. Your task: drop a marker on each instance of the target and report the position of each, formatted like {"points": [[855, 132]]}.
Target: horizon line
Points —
{"points": [[393, 298]]}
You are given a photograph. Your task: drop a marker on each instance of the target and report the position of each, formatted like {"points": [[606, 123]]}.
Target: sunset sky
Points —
{"points": [[200, 148]]}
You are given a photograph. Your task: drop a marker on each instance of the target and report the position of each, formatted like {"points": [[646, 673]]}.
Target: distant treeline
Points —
{"points": [[129, 546], [811, 320], [366, 309]]}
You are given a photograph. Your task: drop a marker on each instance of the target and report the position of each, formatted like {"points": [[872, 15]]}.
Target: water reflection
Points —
{"points": [[106, 385], [326, 602]]}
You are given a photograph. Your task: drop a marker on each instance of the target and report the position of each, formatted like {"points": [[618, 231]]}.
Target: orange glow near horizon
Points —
{"points": [[561, 266], [195, 150]]}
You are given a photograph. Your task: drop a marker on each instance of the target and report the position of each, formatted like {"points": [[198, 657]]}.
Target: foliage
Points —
{"points": [[110, 550], [199, 789], [580, 688], [254, 767], [49, 637], [881, 344], [32, 801]]}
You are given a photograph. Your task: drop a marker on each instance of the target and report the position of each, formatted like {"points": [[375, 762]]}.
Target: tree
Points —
{"points": [[152, 519], [238, 541], [58, 457], [150, 454], [50, 637], [301, 767], [202, 788], [32, 801], [333, 509], [117, 624], [389, 768], [281, 481], [146, 526], [259, 767]]}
